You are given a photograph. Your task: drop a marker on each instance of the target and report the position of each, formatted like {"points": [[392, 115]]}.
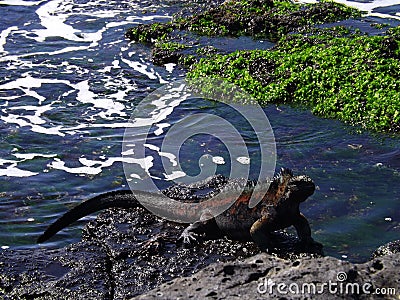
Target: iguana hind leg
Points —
{"points": [[208, 227]]}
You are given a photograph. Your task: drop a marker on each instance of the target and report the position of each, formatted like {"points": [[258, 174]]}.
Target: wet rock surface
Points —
{"points": [[127, 253], [387, 249], [75, 272], [258, 277], [123, 253], [145, 250]]}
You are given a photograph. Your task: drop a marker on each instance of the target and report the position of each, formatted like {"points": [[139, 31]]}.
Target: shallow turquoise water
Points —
{"points": [[67, 93]]}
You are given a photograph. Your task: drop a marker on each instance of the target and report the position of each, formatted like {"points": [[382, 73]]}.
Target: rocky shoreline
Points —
{"points": [[132, 253], [266, 277]]}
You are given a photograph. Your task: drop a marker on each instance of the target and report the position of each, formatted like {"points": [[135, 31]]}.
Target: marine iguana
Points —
{"points": [[278, 209]]}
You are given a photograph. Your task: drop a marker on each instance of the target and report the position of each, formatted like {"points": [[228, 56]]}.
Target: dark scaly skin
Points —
{"points": [[278, 209]]}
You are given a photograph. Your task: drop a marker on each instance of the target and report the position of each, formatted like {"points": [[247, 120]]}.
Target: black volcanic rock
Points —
{"points": [[260, 276], [77, 271], [127, 253]]}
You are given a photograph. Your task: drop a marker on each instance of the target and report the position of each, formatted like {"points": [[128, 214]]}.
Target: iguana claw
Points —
{"points": [[189, 237]]}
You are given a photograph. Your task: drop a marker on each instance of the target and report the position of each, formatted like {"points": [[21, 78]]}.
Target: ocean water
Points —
{"points": [[69, 82]]}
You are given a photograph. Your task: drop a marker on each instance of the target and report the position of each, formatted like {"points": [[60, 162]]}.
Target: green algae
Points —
{"points": [[352, 78], [167, 52], [333, 71], [150, 33], [267, 19], [170, 46], [257, 18]]}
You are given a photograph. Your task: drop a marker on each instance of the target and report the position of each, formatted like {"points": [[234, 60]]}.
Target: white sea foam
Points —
{"points": [[243, 160], [3, 37], [136, 176], [94, 167], [86, 96], [170, 156], [28, 84], [29, 156], [39, 110], [368, 7], [141, 68], [20, 2], [11, 169], [174, 175], [160, 127], [53, 20], [146, 18], [54, 23], [16, 119], [128, 152], [170, 67], [219, 160]]}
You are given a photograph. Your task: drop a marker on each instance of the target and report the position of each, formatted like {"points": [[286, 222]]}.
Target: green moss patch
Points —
{"points": [[336, 73], [265, 18], [355, 79], [258, 18], [167, 52], [150, 33]]}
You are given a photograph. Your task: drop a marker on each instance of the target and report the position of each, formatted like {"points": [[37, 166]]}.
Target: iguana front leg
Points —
{"points": [[208, 227], [303, 228], [304, 232], [259, 232]]}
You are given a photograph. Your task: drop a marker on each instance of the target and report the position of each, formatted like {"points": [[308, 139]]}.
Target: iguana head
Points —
{"points": [[299, 187], [285, 187]]}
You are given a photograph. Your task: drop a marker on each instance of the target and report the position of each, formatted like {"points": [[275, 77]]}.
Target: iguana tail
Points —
{"points": [[123, 199]]}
